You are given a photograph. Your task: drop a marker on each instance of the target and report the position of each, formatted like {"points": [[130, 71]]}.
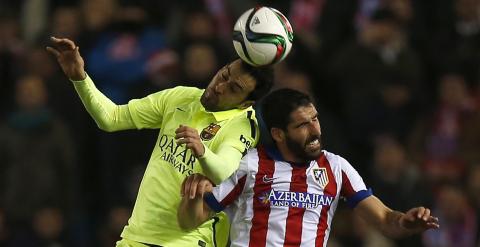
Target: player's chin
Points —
{"points": [[313, 153], [209, 101]]}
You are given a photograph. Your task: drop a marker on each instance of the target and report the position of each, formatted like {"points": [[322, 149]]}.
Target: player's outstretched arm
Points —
{"points": [[193, 211], [394, 223], [107, 115]]}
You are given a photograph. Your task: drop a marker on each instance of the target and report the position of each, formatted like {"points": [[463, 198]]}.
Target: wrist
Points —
{"points": [[80, 76]]}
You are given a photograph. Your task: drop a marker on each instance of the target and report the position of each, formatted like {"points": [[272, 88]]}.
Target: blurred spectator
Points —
{"points": [[66, 23], [116, 219], [11, 52], [458, 225], [473, 191], [457, 36], [118, 57], [362, 69], [200, 63], [34, 19], [435, 143], [98, 14], [4, 231], [47, 230], [36, 156]]}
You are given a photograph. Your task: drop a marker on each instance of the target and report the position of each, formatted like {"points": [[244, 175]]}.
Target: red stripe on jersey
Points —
{"points": [[293, 231], [236, 191], [331, 190], [347, 189], [261, 205]]}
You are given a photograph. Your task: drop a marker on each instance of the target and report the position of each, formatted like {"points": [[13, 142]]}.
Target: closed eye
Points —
{"points": [[224, 77]]}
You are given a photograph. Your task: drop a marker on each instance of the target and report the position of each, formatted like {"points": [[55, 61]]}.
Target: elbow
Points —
{"points": [[103, 125]]}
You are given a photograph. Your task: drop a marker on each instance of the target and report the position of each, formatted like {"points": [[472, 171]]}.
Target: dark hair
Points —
{"points": [[277, 106], [263, 77]]}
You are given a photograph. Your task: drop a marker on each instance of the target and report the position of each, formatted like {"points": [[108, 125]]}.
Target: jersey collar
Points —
{"points": [[223, 115]]}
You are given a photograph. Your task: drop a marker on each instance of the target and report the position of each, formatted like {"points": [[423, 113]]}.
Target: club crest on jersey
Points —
{"points": [[209, 132], [320, 175]]}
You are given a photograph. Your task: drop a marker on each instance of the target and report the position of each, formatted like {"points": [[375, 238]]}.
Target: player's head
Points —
{"points": [[237, 85], [292, 120]]}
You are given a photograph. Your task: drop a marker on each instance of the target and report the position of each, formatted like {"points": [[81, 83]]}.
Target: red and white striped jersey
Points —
{"points": [[275, 203]]}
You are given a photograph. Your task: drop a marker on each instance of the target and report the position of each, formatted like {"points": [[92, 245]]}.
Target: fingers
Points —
{"points": [[186, 185], [189, 136], [195, 185], [182, 187], [432, 225], [185, 131], [420, 212], [432, 219], [53, 51], [426, 214], [63, 43], [193, 188]]}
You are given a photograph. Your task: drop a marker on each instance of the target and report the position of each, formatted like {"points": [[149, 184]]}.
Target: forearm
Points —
{"points": [[108, 115], [191, 213], [391, 226], [218, 167]]}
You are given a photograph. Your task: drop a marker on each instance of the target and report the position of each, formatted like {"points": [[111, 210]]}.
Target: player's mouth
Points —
{"points": [[313, 144]]}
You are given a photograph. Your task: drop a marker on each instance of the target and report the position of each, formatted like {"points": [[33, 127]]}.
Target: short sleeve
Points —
{"points": [[353, 187]]}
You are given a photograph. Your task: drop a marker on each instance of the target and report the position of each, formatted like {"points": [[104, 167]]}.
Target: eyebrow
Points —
{"points": [[305, 122]]}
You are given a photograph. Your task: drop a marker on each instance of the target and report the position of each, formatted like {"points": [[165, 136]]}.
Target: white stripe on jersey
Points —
{"points": [[278, 216]]}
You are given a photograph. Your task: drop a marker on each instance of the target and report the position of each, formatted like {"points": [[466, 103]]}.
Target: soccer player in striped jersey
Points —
{"points": [[287, 195], [200, 131]]}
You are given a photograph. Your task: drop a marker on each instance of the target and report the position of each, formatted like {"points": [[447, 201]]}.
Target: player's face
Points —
{"points": [[229, 88], [303, 134]]}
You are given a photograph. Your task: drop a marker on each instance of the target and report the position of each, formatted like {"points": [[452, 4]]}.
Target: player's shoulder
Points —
{"points": [[178, 94], [244, 121], [186, 91], [335, 159], [250, 159], [247, 114]]}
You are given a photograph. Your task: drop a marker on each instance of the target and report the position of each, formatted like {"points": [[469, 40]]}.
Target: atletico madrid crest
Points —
{"points": [[209, 132], [320, 175]]}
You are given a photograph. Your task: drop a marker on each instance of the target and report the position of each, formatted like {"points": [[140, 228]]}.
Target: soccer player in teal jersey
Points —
{"points": [[201, 131]]}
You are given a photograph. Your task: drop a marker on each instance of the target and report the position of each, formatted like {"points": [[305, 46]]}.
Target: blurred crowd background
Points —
{"points": [[396, 83]]}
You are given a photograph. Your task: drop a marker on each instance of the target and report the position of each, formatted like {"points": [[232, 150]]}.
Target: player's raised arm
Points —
{"points": [[394, 223], [107, 115]]}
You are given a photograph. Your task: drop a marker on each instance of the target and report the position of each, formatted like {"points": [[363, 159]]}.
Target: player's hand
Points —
{"points": [[68, 57], [190, 137], [418, 220], [195, 186]]}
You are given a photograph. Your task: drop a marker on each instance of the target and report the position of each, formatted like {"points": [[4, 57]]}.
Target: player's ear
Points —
{"points": [[245, 104], [277, 134]]}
